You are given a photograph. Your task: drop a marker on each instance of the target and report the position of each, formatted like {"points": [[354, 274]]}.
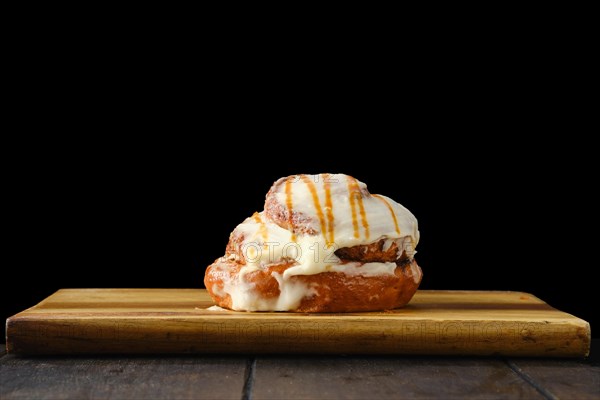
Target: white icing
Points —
{"points": [[366, 269], [291, 293], [215, 308], [260, 251], [265, 243], [380, 222], [386, 245]]}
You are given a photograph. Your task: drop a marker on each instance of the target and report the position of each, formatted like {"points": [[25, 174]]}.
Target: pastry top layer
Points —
{"points": [[307, 218]]}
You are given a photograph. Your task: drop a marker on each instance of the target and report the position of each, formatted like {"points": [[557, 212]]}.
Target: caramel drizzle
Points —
{"points": [[354, 191], [353, 207], [391, 211], [328, 206], [288, 203], [315, 196], [262, 228]]}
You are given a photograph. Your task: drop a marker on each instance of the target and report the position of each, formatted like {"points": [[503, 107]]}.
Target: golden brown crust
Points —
{"points": [[332, 291]]}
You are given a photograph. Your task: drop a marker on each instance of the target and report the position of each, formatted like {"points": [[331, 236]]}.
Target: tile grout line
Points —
{"points": [[541, 390], [249, 379]]}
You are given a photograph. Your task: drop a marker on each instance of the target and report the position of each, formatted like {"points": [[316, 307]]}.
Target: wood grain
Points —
{"points": [[122, 378], [179, 321], [387, 378], [561, 378]]}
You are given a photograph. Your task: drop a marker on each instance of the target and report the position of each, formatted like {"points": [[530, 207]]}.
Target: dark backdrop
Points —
{"points": [[497, 216]]}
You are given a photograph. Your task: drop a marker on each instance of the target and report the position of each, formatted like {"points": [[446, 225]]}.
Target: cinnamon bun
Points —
{"points": [[322, 244]]}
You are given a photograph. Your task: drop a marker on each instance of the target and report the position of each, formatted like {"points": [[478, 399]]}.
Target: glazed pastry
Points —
{"points": [[322, 244]]}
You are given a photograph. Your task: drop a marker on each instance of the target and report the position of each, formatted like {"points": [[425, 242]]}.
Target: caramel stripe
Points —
{"points": [[328, 206], [288, 203], [351, 193], [315, 196], [391, 211], [361, 207], [363, 215], [262, 229]]}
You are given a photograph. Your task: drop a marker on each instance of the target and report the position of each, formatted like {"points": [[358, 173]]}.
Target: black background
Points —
{"points": [[130, 168]]}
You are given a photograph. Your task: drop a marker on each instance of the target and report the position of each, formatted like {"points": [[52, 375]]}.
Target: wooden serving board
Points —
{"points": [[125, 321]]}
